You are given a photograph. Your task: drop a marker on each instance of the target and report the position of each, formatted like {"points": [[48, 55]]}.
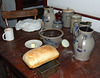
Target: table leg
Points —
{"points": [[9, 73]]}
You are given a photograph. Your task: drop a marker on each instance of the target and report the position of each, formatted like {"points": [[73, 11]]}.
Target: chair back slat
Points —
{"points": [[19, 13]]}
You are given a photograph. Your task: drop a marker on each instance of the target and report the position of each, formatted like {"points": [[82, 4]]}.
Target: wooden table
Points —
{"points": [[12, 52]]}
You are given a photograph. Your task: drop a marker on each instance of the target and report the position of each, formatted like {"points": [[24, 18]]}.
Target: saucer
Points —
{"points": [[29, 43]]}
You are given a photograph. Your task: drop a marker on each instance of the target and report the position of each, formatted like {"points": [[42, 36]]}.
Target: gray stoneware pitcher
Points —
{"points": [[84, 44], [78, 24], [49, 17]]}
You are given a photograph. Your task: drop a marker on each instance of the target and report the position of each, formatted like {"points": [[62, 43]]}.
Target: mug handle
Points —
{"points": [[3, 36]]}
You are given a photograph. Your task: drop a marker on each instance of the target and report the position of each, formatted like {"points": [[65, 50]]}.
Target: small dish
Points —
{"points": [[37, 43]]}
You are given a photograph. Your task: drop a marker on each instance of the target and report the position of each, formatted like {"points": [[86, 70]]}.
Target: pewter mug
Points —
{"points": [[84, 44]]}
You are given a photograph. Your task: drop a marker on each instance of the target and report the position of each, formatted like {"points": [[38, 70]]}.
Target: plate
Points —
{"points": [[65, 43], [30, 28], [29, 43]]}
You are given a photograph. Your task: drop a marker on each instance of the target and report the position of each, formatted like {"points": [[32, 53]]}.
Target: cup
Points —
{"points": [[8, 34]]}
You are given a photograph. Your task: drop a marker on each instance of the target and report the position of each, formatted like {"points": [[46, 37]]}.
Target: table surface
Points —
{"points": [[12, 52]]}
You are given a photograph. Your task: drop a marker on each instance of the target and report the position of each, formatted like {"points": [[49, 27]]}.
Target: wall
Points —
{"points": [[82, 6]]}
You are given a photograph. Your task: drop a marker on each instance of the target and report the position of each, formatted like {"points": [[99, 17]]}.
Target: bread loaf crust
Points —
{"points": [[36, 57]]}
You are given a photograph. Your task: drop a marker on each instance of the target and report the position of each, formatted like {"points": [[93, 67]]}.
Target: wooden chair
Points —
{"points": [[18, 14]]}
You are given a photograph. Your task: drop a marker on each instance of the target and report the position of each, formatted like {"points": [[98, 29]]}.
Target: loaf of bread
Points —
{"points": [[36, 57]]}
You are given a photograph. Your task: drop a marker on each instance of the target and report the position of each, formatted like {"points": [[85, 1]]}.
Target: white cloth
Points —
{"points": [[29, 25]]}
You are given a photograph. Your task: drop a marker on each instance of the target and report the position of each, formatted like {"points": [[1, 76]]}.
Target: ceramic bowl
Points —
{"points": [[52, 36]]}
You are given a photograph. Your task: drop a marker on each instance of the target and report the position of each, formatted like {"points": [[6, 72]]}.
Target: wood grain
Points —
{"points": [[12, 53]]}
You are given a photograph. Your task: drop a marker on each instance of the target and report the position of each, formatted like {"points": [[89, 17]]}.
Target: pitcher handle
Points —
{"points": [[76, 29], [80, 47]]}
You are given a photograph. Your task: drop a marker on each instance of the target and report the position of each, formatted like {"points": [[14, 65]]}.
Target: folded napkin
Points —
{"points": [[29, 25]]}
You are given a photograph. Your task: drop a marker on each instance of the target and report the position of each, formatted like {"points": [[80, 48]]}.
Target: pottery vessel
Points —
{"points": [[52, 36], [48, 17], [78, 24], [57, 24], [84, 44], [75, 18], [66, 17]]}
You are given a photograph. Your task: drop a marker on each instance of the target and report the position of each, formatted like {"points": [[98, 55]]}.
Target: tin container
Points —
{"points": [[47, 69], [75, 18], [66, 17]]}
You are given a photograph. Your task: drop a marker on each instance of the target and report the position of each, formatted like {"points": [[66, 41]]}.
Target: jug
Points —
{"points": [[66, 17], [48, 17], [78, 24], [84, 44]]}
